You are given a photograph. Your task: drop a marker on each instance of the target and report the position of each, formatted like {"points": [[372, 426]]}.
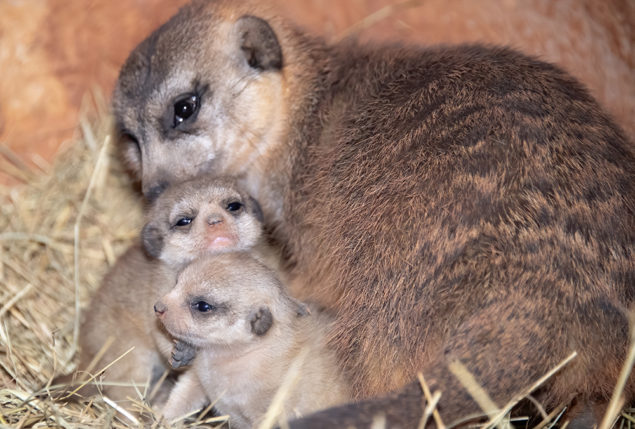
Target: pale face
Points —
{"points": [[228, 300], [203, 216], [202, 318]]}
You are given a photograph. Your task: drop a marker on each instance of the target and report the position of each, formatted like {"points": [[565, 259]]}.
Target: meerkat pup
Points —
{"points": [[202, 216], [205, 215], [248, 332]]}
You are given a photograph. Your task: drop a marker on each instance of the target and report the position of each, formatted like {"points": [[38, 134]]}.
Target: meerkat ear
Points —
{"points": [[152, 240], [256, 210], [259, 43], [260, 321]]}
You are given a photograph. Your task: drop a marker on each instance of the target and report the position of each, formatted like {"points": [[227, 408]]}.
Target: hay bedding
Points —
{"points": [[59, 234], [59, 231]]}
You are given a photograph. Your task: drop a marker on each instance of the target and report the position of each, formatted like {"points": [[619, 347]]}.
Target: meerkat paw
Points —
{"points": [[182, 354]]}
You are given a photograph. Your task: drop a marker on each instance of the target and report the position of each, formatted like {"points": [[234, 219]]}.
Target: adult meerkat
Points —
{"points": [[201, 216], [461, 203], [248, 332]]}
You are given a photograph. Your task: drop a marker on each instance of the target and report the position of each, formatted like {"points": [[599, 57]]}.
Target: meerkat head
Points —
{"points": [[203, 93], [230, 300], [203, 215]]}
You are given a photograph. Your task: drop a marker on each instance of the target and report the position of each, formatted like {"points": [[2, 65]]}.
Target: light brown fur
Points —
{"points": [[121, 311], [247, 342], [122, 307]]}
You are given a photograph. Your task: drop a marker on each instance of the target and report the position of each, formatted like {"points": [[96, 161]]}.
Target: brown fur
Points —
{"points": [[123, 305], [247, 342], [122, 309], [449, 203]]}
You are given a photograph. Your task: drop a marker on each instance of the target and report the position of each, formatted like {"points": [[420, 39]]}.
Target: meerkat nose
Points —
{"points": [[160, 308], [214, 219]]}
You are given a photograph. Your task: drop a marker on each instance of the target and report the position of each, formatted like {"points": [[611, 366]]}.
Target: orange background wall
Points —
{"points": [[52, 52]]}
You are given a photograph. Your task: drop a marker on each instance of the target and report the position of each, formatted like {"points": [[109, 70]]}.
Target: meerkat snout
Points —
{"points": [[160, 308], [214, 219]]}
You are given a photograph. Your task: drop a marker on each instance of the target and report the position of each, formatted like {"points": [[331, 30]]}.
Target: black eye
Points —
{"points": [[234, 206], [184, 221], [184, 108], [203, 306]]}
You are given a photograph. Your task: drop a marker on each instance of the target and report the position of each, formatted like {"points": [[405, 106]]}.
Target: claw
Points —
{"points": [[182, 354]]}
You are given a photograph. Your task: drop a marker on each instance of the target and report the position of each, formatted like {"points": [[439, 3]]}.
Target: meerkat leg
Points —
{"points": [[187, 396]]}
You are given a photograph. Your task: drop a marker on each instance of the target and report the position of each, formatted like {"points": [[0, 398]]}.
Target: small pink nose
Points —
{"points": [[214, 219], [160, 308]]}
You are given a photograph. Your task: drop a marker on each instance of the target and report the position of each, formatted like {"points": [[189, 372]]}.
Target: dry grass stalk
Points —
{"points": [[499, 417], [377, 16], [76, 231], [430, 401], [617, 402], [516, 399], [552, 417], [430, 409], [477, 392], [275, 413], [94, 376], [379, 422]]}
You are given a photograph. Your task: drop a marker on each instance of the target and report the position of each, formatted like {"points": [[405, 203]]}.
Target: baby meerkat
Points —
{"points": [[202, 216], [247, 331]]}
